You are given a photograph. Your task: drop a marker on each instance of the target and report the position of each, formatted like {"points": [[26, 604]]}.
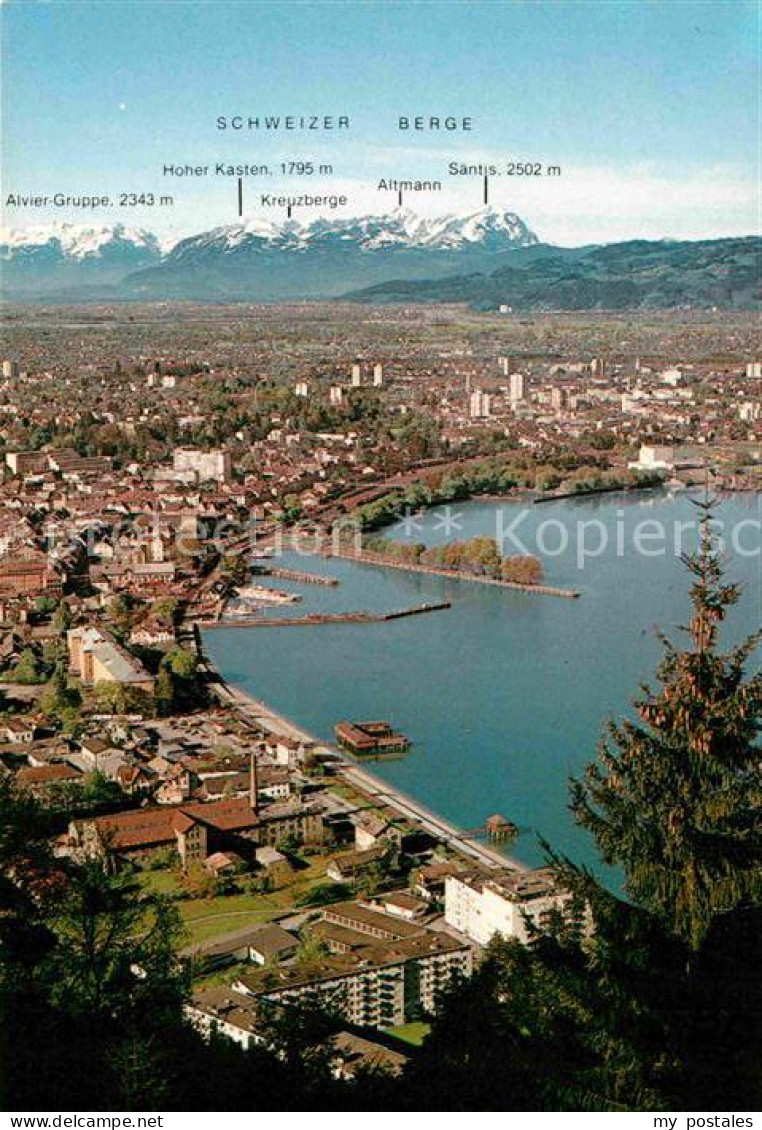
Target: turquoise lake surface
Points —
{"points": [[505, 694]]}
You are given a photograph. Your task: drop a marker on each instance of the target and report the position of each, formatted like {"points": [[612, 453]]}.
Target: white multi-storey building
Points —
{"points": [[635, 403], [203, 465], [479, 404], [224, 1012], [481, 905], [558, 399], [654, 457]]}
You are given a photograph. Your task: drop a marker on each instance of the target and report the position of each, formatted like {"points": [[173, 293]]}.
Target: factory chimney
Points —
{"points": [[253, 784]]}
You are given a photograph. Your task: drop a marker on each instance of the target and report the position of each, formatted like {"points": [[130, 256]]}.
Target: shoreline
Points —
{"points": [[356, 775], [591, 492], [529, 495]]}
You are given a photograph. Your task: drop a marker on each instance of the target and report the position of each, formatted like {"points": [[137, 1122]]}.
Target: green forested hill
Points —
{"points": [[723, 273]]}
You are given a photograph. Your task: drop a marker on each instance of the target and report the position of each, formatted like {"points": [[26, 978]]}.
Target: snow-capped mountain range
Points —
{"points": [[257, 259], [62, 258], [401, 228], [77, 241]]}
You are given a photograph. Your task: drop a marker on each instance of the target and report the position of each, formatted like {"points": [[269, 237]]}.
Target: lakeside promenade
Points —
{"points": [[359, 778]]}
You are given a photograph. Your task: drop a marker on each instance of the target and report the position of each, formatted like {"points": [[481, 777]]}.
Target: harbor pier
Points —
{"points": [[313, 618]]}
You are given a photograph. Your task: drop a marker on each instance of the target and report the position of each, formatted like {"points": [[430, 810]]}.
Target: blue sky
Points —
{"points": [[649, 107]]}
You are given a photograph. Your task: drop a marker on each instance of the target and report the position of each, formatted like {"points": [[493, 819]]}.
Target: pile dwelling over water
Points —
{"points": [[370, 737], [499, 828]]}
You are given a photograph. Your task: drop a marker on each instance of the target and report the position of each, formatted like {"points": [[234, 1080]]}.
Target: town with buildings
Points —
{"points": [[151, 463], [380, 541]]}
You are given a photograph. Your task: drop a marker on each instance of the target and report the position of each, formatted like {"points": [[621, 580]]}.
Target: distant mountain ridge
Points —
{"points": [[486, 258], [638, 274], [54, 256], [257, 260], [401, 228]]}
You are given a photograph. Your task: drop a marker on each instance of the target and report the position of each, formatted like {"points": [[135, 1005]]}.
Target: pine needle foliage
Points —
{"points": [[675, 798]]}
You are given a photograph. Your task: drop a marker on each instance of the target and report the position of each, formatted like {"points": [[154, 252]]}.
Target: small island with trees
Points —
{"points": [[478, 556]]}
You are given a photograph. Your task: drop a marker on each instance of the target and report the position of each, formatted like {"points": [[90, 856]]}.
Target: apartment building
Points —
{"points": [[221, 1011], [380, 971], [95, 657], [204, 466], [481, 905]]}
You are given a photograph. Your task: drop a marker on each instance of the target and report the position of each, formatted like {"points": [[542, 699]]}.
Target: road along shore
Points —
{"points": [[379, 791]]}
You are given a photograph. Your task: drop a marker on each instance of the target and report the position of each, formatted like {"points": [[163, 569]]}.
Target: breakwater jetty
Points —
{"points": [[296, 575], [365, 558], [323, 618]]}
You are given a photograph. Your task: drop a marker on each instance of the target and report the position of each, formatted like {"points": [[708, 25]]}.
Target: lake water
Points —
{"points": [[506, 694]]}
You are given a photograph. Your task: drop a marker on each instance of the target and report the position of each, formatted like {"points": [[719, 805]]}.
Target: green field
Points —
{"points": [[414, 1033], [209, 917], [160, 882]]}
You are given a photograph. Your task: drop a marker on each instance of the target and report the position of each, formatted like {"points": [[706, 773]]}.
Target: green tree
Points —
{"points": [[178, 684], [292, 510], [676, 797], [120, 610], [182, 663], [28, 669], [311, 947], [111, 939], [121, 698], [61, 702], [198, 883], [235, 569], [62, 617], [26, 863], [300, 1036], [54, 655], [98, 790], [164, 691], [165, 610], [111, 698]]}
